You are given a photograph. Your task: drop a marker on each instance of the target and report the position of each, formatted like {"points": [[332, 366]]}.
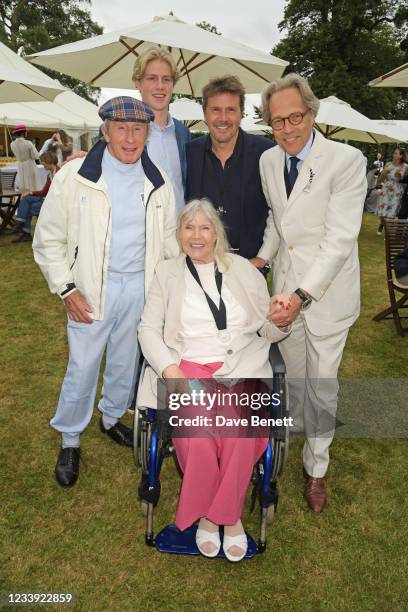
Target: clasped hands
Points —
{"points": [[284, 309]]}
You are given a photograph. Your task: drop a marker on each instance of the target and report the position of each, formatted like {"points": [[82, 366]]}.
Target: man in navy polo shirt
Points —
{"points": [[224, 167]]}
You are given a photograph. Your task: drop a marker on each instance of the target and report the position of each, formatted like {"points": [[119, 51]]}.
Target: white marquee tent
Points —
{"points": [[69, 112], [22, 82]]}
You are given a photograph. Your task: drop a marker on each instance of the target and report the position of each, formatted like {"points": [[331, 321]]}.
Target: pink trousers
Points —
{"points": [[217, 471]]}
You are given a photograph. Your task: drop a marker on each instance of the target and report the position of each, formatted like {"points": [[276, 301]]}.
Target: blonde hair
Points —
{"points": [[290, 81], [221, 245], [154, 53]]}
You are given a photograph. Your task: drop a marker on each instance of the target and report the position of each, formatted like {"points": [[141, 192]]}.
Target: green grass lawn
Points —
{"points": [[90, 540]]}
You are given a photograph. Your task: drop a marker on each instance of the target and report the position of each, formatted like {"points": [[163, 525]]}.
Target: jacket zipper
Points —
{"points": [[103, 260], [75, 256], [150, 195]]}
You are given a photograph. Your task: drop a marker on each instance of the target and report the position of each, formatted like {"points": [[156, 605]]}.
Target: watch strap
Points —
{"points": [[302, 295]]}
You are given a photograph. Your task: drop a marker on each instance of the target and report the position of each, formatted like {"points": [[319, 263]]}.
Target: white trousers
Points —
{"points": [[117, 333], [312, 363]]}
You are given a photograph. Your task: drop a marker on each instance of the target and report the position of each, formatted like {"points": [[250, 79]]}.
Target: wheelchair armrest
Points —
{"points": [[276, 359]]}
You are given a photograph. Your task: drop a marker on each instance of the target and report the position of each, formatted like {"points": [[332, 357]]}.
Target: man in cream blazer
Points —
{"points": [[315, 189]]}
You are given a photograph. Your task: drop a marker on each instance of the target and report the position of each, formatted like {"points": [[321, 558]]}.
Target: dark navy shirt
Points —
{"points": [[222, 185]]}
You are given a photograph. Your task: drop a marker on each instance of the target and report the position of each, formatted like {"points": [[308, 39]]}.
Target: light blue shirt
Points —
{"points": [[126, 188], [302, 154], [163, 151]]}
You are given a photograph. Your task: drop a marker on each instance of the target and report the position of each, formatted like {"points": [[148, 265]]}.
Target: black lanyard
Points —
{"points": [[219, 314]]}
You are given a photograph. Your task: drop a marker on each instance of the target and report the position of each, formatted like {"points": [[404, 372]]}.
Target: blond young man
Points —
{"points": [[155, 75]]}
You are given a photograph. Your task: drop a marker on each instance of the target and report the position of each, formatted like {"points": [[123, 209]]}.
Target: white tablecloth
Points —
{"points": [[42, 172]]}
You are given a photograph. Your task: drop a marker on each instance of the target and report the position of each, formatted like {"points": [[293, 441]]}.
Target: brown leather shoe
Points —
{"points": [[315, 492]]}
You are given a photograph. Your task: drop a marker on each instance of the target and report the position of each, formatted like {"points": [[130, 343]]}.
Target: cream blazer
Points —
{"points": [[159, 329], [315, 231]]}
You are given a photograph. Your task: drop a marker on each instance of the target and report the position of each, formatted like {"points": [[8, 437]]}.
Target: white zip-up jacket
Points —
{"points": [[73, 233]]}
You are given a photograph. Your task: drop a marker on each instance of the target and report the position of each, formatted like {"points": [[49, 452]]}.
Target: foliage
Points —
{"points": [[340, 45], [209, 27], [28, 26]]}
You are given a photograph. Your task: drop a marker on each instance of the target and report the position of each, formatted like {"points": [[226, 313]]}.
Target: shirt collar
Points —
{"points": [[169, 124], [305, 151], [237, 148]]}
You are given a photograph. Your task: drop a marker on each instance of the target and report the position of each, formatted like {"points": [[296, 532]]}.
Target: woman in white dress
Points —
{"points": [[28, 178]]}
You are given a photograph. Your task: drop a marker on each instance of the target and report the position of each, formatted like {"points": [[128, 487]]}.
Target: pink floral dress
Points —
{"points": [[390, 196]]}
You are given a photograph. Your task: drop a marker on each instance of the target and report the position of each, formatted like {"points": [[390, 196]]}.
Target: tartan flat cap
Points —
{"points": [[125, 108]]}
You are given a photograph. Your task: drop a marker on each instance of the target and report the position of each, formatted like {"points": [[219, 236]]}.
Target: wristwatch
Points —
{"points": [[306, 301]]}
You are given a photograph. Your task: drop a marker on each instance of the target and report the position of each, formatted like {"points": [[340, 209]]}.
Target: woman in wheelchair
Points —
{"points": [[206, 316]]}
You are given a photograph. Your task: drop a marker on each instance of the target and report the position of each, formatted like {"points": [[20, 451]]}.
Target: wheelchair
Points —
{"points": [[152, 444]]}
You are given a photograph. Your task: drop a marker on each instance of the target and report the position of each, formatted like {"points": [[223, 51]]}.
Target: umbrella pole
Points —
{"points": [[6, 140]]}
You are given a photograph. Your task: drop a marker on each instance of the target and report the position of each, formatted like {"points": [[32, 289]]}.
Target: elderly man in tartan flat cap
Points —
{"points": [[107, 221]]}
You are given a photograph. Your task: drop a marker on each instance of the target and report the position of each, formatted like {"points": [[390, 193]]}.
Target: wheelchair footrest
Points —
{"points": [[149, 494], [172, 540]]}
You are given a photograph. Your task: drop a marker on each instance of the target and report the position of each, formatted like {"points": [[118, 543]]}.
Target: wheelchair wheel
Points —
{"points": [[145, 438], [137, 417], [280, 445]]}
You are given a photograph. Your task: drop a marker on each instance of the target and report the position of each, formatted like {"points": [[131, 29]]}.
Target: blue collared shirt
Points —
{"points": [[302, 154], [163, 151]]}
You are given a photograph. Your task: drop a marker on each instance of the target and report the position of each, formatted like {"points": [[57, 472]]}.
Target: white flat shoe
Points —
{"points": [[240, 541], [203, 536]]}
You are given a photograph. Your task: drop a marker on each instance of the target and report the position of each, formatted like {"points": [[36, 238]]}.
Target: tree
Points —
{"points": [[204, 25], [340, 45], [28, 26]]}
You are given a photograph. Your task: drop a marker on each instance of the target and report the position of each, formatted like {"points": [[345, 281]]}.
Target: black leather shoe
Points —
{"points": [[67, 468], [120, 433]]}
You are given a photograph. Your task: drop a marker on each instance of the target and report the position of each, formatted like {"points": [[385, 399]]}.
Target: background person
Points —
{"points": [[106, 222], [28, 178], [403, 211], [31, 202], [183, 337], [373, 189], [378, 163], [393, 187]]}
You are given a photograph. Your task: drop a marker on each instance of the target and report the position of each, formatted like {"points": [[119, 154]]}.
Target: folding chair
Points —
{"points": [[396, 233], [8, 178], [9, 197]]}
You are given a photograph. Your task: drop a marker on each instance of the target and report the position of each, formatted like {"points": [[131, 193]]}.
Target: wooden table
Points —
{"points": [[9, 201]]}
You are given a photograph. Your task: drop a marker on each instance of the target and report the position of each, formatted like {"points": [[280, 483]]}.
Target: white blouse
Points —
{"points": [[202, 341]]}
